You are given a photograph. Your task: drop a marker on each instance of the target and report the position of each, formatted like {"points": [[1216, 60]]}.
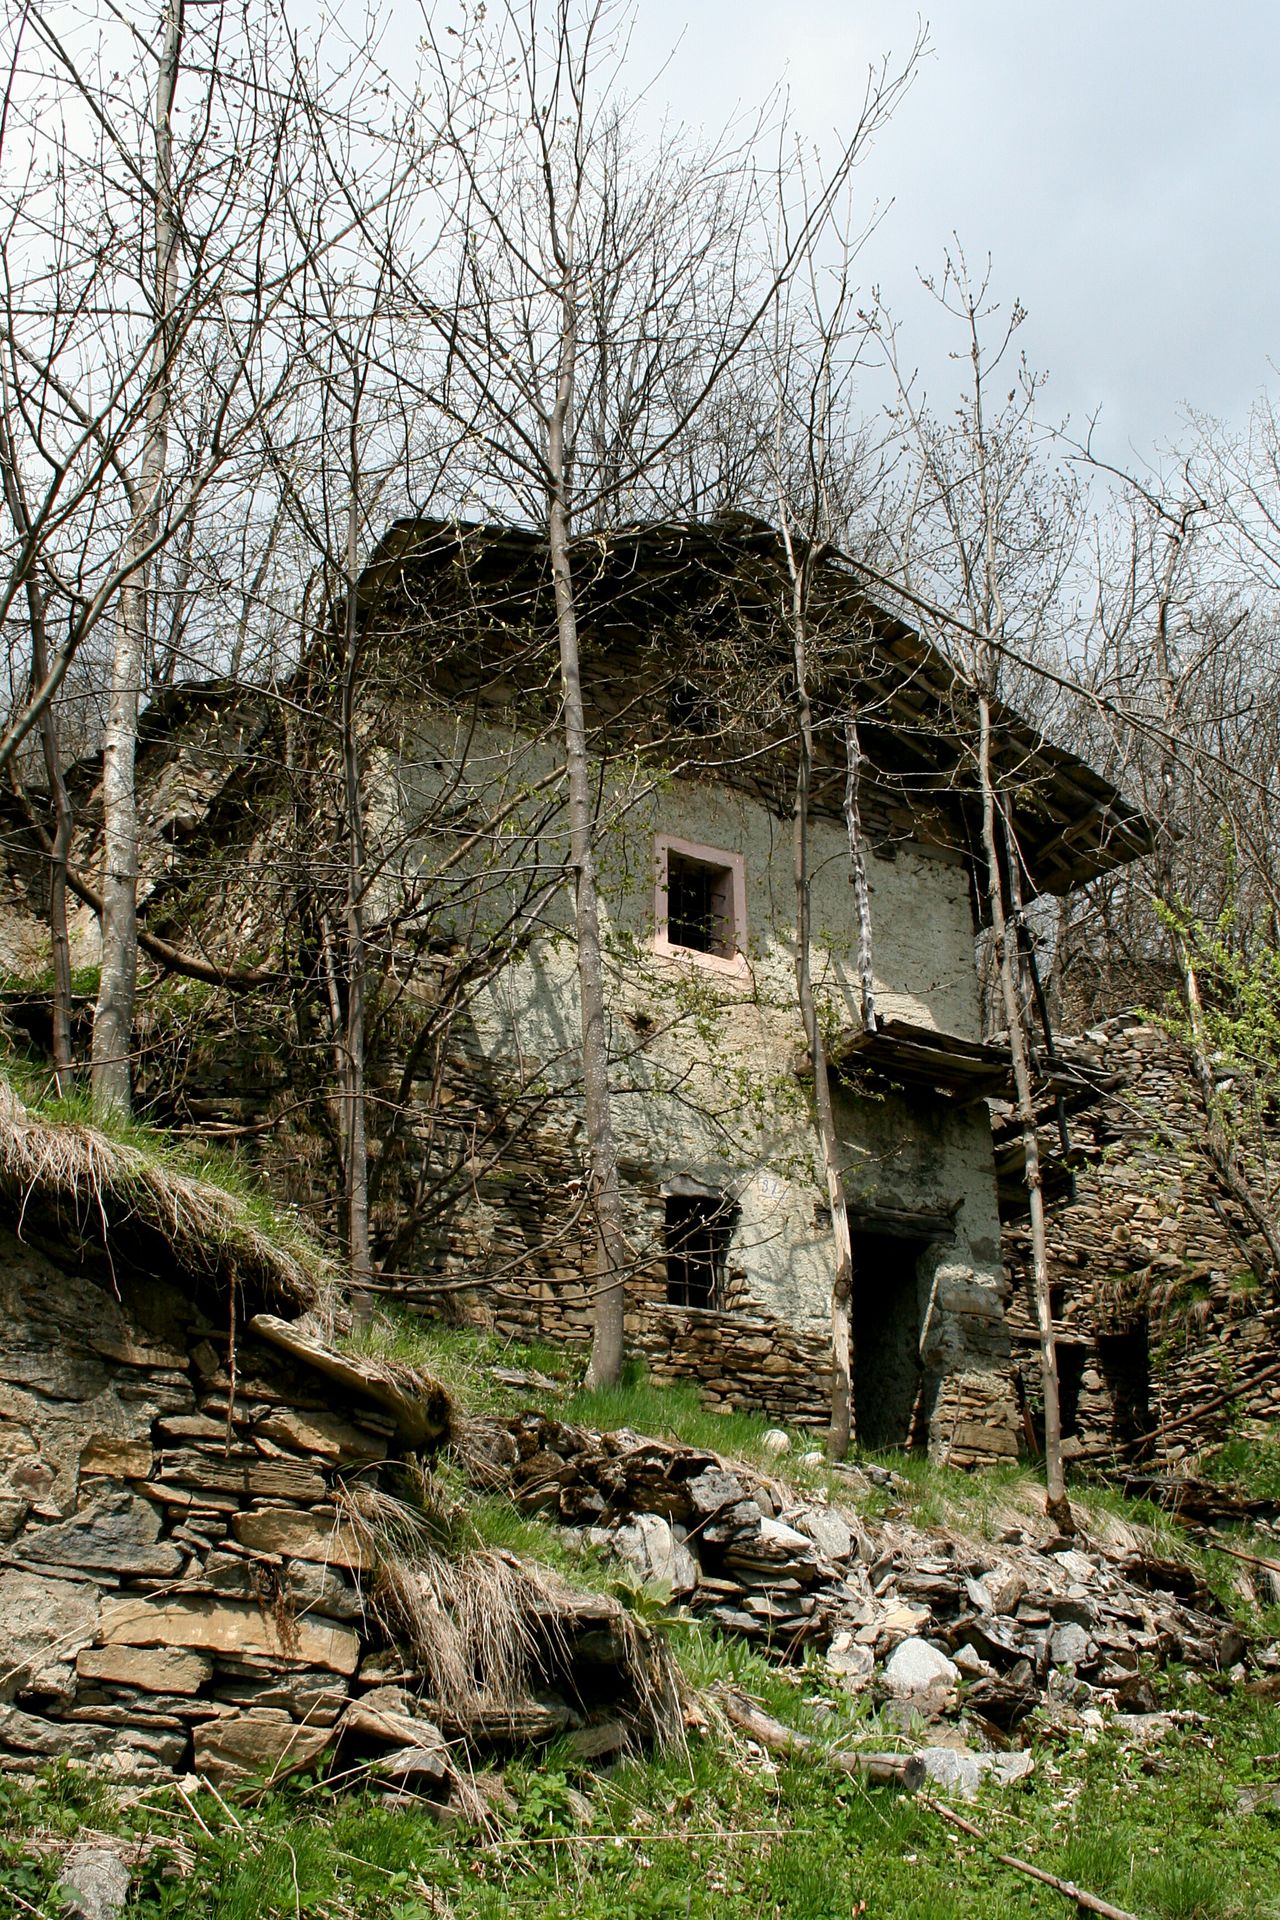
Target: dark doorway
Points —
{"points": [[890, 1299], [697, 1231], [1124, 1360], [1070, 1358]]}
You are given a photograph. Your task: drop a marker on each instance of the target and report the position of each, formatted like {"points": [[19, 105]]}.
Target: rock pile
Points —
{"points": [[921, 1614]]}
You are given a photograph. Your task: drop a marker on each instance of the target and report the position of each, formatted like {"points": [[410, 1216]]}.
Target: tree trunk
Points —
{"points": [[113, 1018], [858, 874], [610, 1251], [355, 1130], [842, 1411], [1005, 936], [59, 800]]}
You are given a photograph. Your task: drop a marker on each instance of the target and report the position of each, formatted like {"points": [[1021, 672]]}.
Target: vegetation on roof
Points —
{"points": [[108, 1182]]}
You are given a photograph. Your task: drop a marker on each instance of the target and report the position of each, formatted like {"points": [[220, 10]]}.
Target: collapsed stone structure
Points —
{"points": [[1167, 1331], [923, 1615]]}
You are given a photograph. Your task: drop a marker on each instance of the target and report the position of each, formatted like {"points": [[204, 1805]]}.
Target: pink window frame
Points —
{"points": [[668, 843]]}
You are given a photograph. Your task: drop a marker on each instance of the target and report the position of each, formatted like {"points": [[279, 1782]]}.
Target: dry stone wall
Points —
{"points": [[180, 1584], [1164, 1321]]}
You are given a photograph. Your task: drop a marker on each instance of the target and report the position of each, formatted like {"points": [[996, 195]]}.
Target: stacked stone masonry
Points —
{"points": [[181, 1586], [1160, 1290]]}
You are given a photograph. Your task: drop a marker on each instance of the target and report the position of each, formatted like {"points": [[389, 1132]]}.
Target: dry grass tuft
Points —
{"points": [[488, 1629], [110, 1187]]}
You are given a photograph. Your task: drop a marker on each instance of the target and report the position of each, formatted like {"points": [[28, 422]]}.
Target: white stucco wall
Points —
{"points": [[709, 1069]]}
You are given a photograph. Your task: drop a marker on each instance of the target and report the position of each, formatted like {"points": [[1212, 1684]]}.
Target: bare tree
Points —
{"points": [[606, 284], [991, 528]]}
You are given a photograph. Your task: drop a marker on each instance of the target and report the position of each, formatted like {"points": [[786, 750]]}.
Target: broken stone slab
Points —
{"points": [[854, 1662], [1260, 1799], [416, 1766], [322, 1435], [958, 1771], [1000, 1589], [1070, 1646], [261, 1740], [314, 1696], [778, 1538], [829, 1533], [391, 1714], [915, 1669], [116, 1533], [715, 1492], [50, 1739], [653, 1549], [229, 1627], [249, 1477], [153, 1669], [44, 1623], [299, 1536], [93, 1884], [893, 1625], [116, 1458], [418, 1405]]}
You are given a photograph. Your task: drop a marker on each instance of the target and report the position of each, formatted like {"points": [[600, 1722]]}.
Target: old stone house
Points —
{"points": [[475, 1115], [686, 665]]}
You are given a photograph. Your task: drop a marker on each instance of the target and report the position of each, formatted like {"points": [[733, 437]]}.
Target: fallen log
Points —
{"points": [[1085, 1902], [905, 1770]]}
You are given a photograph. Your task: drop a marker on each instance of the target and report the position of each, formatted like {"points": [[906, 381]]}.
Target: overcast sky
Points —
{"points": [[1119, 160]]}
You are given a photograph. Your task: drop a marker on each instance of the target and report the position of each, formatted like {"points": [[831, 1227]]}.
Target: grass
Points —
{"points": [[1248, 1464], [673, 1412], [463, 1360], [715, 1833], [110, 1168]]}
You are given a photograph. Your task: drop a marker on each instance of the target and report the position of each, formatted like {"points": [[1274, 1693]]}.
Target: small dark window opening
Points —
{"points": [[1071, 1362], [698, 1227], [700, 906]]}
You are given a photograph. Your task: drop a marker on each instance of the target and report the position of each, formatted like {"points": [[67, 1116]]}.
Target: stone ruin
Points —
{"points": [[1167, 1330]]}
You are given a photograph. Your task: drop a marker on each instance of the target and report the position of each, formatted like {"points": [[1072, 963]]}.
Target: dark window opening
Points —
{"points": [[890, 1299], [698, 1228], [700, 906], [1071, 1360], [1125, 1363]]}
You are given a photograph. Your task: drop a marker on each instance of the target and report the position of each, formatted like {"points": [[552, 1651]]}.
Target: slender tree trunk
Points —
{"points": [[842, 1411], [858, 873], [1005, 937], [63, 1058], [60, 848], [113, 1018], [357, 1143], [610, 1252]]}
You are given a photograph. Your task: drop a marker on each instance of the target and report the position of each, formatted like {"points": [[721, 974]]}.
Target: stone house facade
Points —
{"points": [[685, 665], [1168, 1335]]}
